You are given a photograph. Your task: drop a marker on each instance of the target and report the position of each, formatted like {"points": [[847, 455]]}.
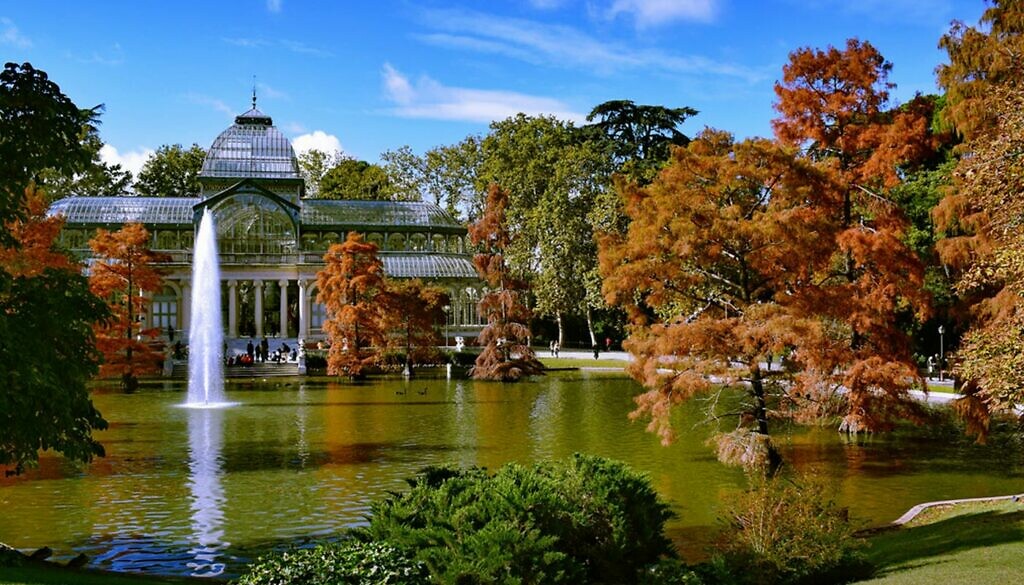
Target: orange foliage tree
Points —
{"points": [[981, 214], [834, 105], [353, 290], [411, 320], [704, 271], [122, 271], [506, 355], [48, 350]]}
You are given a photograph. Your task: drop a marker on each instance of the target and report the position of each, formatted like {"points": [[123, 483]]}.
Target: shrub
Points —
{"points": [[586, 520], [350, 561], [788, 531]]}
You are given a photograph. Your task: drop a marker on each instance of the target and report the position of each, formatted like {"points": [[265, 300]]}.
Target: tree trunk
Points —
{"points": [[590, 327], [561, 329], [761, 415]]}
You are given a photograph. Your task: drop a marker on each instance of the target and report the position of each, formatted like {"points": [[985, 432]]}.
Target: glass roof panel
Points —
{"points": [[328, 212], [118, 210], [251, 147], [428, 266]]}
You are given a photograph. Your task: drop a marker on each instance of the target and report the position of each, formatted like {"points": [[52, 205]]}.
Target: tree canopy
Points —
{"points": [[640, 136], [123, 271], [507, 355], [172, 171], [981, 214], [46, 310], [352, 288], [355, 179], [40, 130]]}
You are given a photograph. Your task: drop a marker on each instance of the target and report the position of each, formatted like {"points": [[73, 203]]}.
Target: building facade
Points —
{"points": [[272, 239]]}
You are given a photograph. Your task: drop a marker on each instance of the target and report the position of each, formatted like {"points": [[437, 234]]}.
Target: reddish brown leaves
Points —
{"points": [[352, 288], [123, 271], [506, 355]]}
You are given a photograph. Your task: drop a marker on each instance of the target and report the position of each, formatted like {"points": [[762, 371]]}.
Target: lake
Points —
{"points": [[202, 492]]}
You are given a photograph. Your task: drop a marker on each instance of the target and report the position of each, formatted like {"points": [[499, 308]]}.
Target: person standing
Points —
{"points": [[250, 350], [264, 349]]}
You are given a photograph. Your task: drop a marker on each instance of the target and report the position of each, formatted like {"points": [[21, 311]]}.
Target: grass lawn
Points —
{"points": [[51, 574], [970, 543]]}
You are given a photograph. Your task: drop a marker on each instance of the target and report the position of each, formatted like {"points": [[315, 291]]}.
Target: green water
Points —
{"points": [[185, 491]]}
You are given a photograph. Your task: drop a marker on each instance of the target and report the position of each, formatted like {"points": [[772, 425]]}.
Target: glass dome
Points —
{"points": [[251, 148]]}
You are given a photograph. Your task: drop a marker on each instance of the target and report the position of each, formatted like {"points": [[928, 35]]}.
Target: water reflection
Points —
{"points": [[205, 441]]}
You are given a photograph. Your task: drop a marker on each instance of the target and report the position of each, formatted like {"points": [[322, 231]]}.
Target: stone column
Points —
{"points": [[257, 286], [232, 308], [186, 307], [303, 311], [284, 307]]}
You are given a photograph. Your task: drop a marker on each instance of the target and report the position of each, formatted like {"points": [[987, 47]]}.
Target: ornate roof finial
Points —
{"points": [[254, 92]]}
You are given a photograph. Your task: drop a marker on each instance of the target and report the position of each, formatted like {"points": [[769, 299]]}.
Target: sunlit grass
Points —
{"points": [[970, 543]]}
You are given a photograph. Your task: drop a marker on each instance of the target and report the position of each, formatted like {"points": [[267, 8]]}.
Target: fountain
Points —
{"points": [[206, 334]]}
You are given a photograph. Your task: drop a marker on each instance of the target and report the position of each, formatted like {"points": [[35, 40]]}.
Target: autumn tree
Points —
{"points": [[47, 314], [704, 271], [412, 317], [352, 288], [171, 171], [123, 270], [834, 104], [981, 213], [507, 355], [47, 352]]}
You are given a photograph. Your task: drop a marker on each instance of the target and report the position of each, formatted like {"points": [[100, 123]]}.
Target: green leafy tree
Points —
{"points": [[451, 178], [41, 131], [406, 173], [553, 181], [640, 136], [46, 310], [356, 179], [314, 164], [172, 171], [98, 179]]}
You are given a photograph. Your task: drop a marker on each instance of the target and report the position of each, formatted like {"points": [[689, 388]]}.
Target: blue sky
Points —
{"points": [[373, 76]]}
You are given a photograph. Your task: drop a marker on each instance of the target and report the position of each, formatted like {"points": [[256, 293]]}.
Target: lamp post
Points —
{"points": [[446, 309], [942, 352]]}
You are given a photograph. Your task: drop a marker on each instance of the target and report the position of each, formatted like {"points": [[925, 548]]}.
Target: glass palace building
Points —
{"points": [[272, 239]]}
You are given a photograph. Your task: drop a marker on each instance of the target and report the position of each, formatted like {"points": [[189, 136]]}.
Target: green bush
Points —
{"points": [[787, 531], [586, 520], [347, 562]]}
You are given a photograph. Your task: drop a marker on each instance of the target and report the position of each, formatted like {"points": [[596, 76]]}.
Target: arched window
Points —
{"points": [[253, 224], [417, 242], [396, 242], [375, 238], [437, 242]]}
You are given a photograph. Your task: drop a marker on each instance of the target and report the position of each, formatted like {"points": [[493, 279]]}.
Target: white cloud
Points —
{"points": [[269, 92], [658, 12], [318, 140], [130, 161], [10, 35], [289, 45], [274, 5], [210, 102], [428, 98], [564, 46]]}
